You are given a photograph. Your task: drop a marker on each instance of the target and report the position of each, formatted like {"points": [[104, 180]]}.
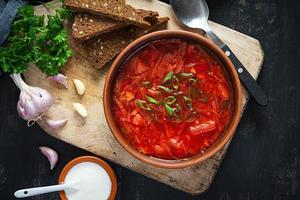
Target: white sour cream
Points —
{"points": [[92, 182]]}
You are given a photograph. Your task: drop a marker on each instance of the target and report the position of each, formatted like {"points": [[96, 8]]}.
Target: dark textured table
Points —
{"points": [[263, 160]]}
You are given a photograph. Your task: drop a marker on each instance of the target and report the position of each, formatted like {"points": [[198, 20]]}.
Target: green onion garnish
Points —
{"points": [[166, 89], [178, 107], [175, 82], [192, 80], [168, 77], [146, 84], [188, 102], [178, 93], [152, 100], [170, 110], [186, 75], [169, 100], [142, 104]]}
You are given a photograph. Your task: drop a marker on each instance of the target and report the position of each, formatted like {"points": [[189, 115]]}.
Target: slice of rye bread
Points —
{"points": [[86, 26], [114, 9], [102, 49]]}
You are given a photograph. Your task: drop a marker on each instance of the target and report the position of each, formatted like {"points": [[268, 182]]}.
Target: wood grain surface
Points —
{"points": [[93, 134], [263, 160]]}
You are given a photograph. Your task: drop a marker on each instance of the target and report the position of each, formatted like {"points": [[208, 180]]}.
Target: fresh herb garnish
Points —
{"points": [[173, 102], [169, 100], [185, 75], [146, 84], [142, 104], [192, 80], [178, 93], [170, 110], [168, 77], [175, 82], [188, 102], [178, 107], [152, 100], [164, 88], [31, 41]]}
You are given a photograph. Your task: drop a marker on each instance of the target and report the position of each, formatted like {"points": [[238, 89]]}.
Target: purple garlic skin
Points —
{"points": [[53, 124], [61, 79], [33, 101], [51, 155]]}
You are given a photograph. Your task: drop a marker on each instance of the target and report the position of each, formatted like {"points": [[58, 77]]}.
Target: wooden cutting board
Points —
{"points": [[93, 134]]}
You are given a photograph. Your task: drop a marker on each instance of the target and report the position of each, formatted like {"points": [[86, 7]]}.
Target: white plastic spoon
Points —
{"points": [[29, 192]]}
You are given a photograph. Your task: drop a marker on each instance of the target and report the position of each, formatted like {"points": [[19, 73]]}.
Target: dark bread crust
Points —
{"points": [[114, 9], [102, 49], [86, 26]]}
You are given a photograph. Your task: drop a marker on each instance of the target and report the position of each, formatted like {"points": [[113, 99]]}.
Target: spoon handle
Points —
{"points": [[248, 81], [41, 190]]}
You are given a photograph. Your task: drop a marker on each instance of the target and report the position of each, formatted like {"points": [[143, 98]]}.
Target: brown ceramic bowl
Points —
{"points": [[205, 43], [92, 159]]}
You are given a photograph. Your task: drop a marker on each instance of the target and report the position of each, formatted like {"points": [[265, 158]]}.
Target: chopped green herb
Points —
{"points": [[168, 77], [164, 88], [188, 102], [142, 104], [169, 100], [185, 75], [31, 41], [178, 93], [146, 84], [170, 110], [152, 100], [178, 107], [175, 82], [192, 80]]}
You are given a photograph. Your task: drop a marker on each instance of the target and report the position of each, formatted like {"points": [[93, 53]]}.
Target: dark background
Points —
{"points": [[263, 160]]}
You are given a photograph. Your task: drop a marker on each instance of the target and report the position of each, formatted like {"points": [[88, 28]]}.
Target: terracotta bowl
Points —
{"points": [[207, 44], [92, 159]]}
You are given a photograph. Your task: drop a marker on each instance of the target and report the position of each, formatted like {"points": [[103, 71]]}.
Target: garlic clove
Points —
{"points": [[80, 109], [56, 123], [51, 155], [79, 85], [61, 79]]}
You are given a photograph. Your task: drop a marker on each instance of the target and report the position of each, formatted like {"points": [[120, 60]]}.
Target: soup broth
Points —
{"points": [[172, 99]]}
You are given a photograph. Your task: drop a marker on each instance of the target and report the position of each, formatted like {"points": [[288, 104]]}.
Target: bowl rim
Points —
{"points": [[227, 134], [92, 159]]}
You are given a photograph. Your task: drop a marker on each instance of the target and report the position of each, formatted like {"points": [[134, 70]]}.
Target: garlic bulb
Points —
{"points": [[33, 101]]}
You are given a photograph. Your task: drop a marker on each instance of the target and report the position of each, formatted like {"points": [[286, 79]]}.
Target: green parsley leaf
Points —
{"points": [[31, 41]]}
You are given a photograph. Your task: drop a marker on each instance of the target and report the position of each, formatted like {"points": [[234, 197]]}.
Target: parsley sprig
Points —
{"points": [[31, 41]]}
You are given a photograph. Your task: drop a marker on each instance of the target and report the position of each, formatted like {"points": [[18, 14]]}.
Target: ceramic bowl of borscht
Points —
{"points": [[172, 99]]}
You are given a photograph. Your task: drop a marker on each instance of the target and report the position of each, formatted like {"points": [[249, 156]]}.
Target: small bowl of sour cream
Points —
{"points": [[94, 178]]}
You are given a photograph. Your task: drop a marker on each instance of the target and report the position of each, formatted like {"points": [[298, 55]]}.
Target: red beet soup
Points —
{"points": [[172, 99]]}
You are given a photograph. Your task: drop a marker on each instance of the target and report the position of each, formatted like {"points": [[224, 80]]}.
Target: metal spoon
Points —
{"points": [[194, 14]]}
